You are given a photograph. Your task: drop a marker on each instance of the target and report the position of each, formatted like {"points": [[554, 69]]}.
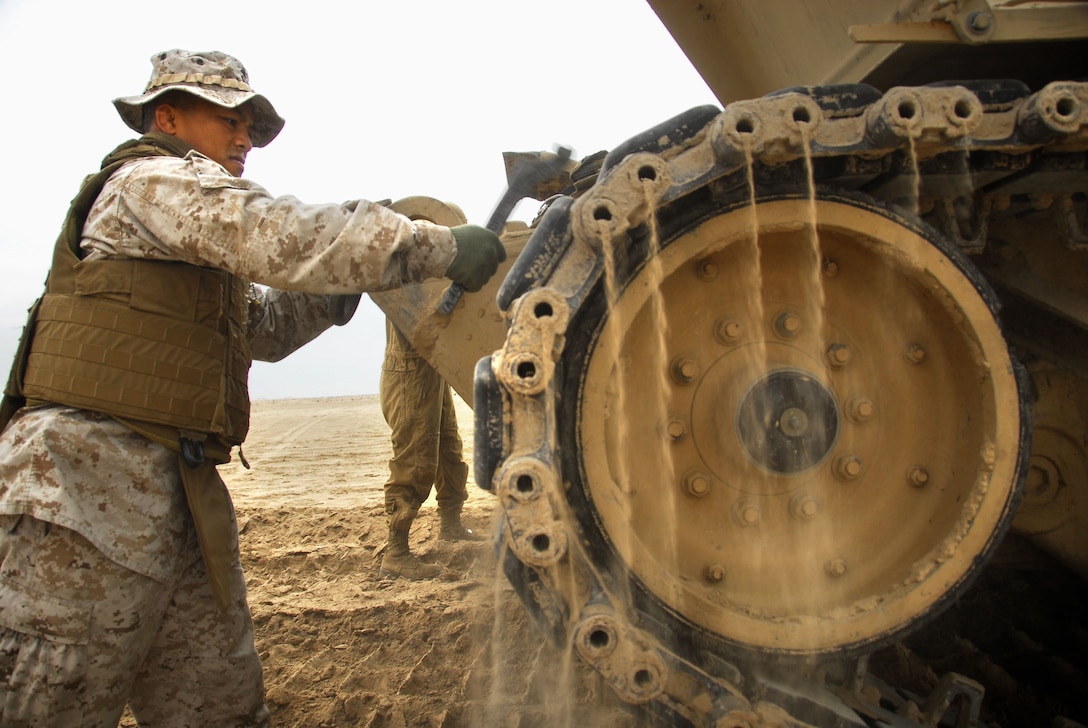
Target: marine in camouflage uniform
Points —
{"points": [[119, 569], [427, 450]]}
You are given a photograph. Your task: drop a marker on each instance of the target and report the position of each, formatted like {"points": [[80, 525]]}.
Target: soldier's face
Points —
{"points": [[219, 133]]}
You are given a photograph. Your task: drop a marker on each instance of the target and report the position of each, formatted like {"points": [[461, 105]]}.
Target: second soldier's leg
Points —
{"points": [[450, 481], [410, 406], [398, 560]]}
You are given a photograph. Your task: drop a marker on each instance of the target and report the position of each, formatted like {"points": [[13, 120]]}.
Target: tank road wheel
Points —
{"points": [[792, 442]]}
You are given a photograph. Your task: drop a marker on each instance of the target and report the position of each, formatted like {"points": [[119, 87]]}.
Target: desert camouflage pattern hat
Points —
{"points": [[211, 75]]}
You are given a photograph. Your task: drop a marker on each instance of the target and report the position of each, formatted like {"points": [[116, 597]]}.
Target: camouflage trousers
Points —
{"points": [[427, 449], [80, 636]]}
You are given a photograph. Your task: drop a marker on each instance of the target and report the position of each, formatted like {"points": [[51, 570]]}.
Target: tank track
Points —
{"points": [[979, 161]]}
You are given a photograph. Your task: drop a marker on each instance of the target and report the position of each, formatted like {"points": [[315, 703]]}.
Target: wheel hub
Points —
{"points": [[787, 422], [827, 429]]}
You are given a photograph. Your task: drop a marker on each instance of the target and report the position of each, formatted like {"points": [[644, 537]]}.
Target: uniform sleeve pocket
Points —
{"points": [[212, 176]]}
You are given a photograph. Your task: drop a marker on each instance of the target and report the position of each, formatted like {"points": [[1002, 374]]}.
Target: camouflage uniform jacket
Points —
{"points": [[87, 472]]}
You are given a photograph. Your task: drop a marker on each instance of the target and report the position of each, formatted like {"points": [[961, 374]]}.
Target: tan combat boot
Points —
{"points": [[398, 560], [452, 529]]}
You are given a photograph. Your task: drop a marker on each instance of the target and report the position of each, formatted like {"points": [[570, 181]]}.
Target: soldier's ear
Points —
{"points": [[166, 118]]}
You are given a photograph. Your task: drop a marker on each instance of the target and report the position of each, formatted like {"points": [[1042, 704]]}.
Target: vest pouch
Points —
{"points": [[165, 288]]}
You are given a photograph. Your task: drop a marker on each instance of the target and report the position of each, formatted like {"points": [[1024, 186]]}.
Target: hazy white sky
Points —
{"points": [[382, 100]]}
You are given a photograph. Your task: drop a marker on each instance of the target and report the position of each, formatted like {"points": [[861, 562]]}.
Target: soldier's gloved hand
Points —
{"points": [[479, 252]]}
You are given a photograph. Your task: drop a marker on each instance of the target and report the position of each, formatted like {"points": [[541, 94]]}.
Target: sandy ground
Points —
{"points": [[342, 646]]}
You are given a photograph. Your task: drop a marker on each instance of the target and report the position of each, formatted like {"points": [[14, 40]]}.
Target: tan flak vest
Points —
{"points": [[158, 345], [156, 342]]}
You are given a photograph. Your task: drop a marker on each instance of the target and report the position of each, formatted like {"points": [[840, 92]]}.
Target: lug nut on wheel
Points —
{"points": [[696, 484], [727, 331], [684, 370], [746, 513], [838, 355], [804, 507], [859, 409], [787, 325], [847, 467], [915, 354], [918, 477], [707, 270], [674, 429]]}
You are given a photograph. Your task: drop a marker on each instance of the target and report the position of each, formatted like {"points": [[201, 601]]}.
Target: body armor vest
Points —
{"points": [[153, 341], [159, 345]]}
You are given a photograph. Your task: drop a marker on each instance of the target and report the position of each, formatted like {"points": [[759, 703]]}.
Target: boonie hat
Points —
{"points": [[211, 75]]}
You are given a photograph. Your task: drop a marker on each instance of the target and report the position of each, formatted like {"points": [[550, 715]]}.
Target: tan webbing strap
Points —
{"points": [[212, 510]]}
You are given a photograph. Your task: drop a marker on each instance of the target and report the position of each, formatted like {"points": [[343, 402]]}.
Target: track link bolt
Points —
{"points": [[838, 355], [979, 22], [685, 370], [787, 325], [1043, 481], [727, 331], [918, 477], [859, 409], [915, 354], [847, 467], [714, 573], [696, 484], [707, 270], [836, 568]]}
